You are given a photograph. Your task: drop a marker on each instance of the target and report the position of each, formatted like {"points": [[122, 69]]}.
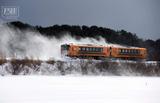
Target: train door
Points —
{"points": [[64, 50]]}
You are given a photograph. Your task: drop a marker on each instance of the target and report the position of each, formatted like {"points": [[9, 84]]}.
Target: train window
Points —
{"points": [[121, 51], [93, 49], [131, 51], [136, 51], [65, 47], [86, 49], [80, 49], [90, 49], [96, 49], [99, 49]]}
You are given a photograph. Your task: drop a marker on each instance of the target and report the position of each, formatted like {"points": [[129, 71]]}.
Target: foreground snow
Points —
{"points": [[82, 89]]}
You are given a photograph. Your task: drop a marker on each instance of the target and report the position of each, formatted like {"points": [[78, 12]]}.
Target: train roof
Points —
{"points": [[108, 45]]}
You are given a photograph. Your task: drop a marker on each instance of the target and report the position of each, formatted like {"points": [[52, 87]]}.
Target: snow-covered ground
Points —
{"points": [[79, 89]]}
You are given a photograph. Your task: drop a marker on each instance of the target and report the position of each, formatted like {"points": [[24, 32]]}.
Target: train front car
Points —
{"points": [[129, 53], [85, 51], [93, 51]]}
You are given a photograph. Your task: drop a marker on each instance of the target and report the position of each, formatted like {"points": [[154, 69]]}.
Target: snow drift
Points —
{"points": [[78, 67]]}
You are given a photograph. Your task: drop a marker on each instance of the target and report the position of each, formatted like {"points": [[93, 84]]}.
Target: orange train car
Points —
{"points": [[99, 51], [129, 53]]}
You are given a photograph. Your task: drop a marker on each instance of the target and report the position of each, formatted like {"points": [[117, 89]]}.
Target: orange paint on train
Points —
{"points": [[95, 51]]}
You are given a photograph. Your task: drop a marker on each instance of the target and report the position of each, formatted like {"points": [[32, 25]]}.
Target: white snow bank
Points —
{"points": [[67, 89]]}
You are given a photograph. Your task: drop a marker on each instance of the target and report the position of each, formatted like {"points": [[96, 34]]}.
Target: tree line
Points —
{"points": [[121, 37]]}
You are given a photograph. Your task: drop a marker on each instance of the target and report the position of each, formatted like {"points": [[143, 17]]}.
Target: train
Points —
{"points": [[103, 52]]}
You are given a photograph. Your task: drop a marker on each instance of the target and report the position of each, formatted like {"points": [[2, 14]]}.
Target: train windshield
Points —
{"points": [[65, 47]]}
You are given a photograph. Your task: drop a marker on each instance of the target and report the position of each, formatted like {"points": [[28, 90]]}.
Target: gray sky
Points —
{"points": [[137, 16]]}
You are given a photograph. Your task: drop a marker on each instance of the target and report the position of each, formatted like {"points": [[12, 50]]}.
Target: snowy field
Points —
{"points": [[80, 89]]}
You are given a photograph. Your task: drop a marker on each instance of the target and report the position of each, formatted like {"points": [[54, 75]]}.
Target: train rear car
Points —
{"points": [[129, 53]]}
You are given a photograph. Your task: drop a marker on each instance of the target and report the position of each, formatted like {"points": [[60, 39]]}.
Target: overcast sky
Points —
{"points": [[137, 16]]}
